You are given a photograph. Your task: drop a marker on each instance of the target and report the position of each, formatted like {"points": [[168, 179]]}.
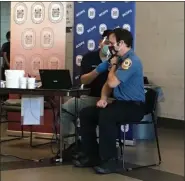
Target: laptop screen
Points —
{"points": [[55, 79]]}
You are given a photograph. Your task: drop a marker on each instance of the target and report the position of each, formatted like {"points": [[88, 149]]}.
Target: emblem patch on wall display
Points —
{"points": [[54, 62], [79, 60], [47, 38], [127, 27], [19, 62], [56, 12], [125, 128], [102, 28], [20, 13], [28, 38], [91, 45], [114, 13], [91, 13], [37, 12], [36, 64], [126, 64], [79, 29]]}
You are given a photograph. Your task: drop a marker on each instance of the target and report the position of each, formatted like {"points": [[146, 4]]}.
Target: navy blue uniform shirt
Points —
{"points": [[130, 74]]}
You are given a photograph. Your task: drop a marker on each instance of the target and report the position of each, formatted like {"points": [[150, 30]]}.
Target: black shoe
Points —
{"points": [[78, 155], [110, 166], [86, 162]]}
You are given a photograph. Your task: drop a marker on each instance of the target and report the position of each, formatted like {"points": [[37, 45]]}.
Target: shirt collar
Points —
{"points": [[127, 54]]}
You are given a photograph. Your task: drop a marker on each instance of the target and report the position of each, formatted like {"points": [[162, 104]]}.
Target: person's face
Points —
{"points": [[112, 39], [118, 46]]}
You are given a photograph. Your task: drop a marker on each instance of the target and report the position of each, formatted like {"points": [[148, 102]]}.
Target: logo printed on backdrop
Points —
{"points": [[127, 27], [91, 45], [80, 13], [28, 38], [77, 77], [54, 62], [37, 12], [47, 38], [117, 27], [102, 28], [20, 13], [56, 12], [79, 60], [126, 128], [91, 29], [79, 29], [127, 13], [19, 62], [80, 44], [36, 64], [91, 13], [114, 13], [103, 13]]}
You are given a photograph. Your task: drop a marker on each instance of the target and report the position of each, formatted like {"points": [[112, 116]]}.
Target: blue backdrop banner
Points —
{"points": [[90, 21]]}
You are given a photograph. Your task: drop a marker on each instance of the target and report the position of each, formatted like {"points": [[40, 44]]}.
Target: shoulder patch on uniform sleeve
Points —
{"points": [[126, 64]]}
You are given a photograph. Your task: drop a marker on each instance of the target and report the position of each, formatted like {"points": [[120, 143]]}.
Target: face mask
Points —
{"points": [[116, 47], [106, 52]]}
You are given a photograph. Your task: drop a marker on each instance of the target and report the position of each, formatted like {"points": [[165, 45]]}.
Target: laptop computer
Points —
{"points": [[55, 79]]}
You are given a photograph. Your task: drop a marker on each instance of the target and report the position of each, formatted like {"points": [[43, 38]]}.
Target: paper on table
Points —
{"points": [[32, 109]]}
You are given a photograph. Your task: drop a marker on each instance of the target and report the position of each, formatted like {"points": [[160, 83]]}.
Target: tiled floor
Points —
{"points": [[171, 169]]}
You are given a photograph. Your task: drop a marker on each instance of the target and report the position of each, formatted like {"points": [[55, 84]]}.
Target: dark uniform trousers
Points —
{"points": [[108, 120]]}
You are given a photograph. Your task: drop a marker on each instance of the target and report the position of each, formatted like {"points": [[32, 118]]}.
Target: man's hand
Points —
{"points": [[102, 67], [101, 103]]}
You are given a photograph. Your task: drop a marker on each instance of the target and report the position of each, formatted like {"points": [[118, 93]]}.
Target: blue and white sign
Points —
{"points": [[91, 19]]}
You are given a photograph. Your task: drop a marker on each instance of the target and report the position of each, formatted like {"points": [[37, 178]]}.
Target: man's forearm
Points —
{"points": [[111, 76], [106, 91], [88, 78]]}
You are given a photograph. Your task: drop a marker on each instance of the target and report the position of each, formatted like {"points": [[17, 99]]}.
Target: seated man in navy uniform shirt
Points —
{"points": [[94, 72], [125, 79]]}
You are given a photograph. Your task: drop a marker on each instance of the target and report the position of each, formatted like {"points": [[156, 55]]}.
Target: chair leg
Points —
{"points": [[123, 150], [157, 143], [31, 136], [145, 166], [22, 132]]}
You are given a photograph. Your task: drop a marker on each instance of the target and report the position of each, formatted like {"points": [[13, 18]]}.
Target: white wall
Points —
{"points": [[160, 44]]}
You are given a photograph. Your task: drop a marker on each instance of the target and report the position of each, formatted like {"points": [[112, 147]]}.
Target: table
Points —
{"points": [[49, 92]]}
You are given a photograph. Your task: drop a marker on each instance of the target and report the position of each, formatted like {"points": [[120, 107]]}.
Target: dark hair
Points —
{"points": [[125, 35], [8, 35], [106, 33]]}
